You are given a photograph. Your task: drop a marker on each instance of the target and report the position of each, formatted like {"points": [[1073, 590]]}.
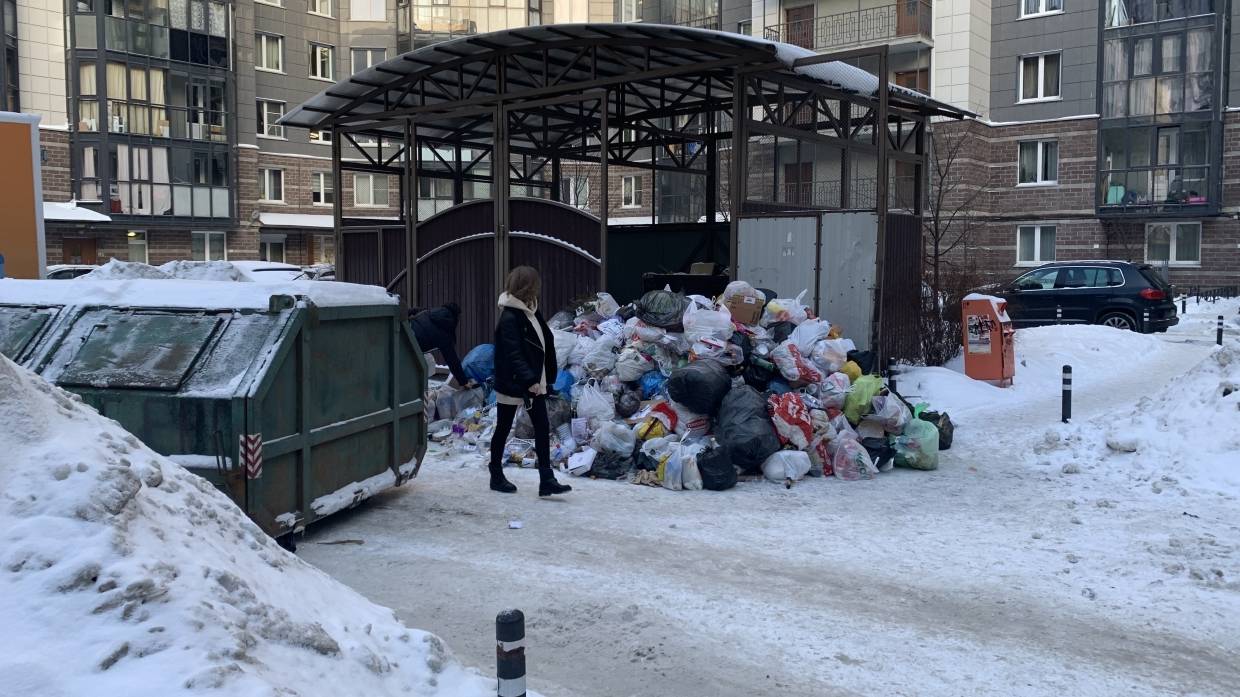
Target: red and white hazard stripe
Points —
{"points": [[252, 455]]}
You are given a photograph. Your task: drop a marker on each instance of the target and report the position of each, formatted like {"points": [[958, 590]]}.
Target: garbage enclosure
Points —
{"points": [[296, 410]]}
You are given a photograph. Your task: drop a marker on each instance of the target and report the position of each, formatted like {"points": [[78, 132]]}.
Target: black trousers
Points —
{"points": [[506, 414]]}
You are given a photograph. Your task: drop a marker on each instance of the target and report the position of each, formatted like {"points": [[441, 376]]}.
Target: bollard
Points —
{"points": [[1145, 321], [1218, 339], [1067, 394], [1058, 315], [891, 375], [510, 653], [1183, 306]]}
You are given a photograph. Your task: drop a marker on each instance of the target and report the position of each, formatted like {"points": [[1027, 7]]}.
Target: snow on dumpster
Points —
{"points": [[124, 574]]}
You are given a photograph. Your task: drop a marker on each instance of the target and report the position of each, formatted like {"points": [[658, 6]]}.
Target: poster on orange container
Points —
{"points": [[979, 334], [21, 197]]}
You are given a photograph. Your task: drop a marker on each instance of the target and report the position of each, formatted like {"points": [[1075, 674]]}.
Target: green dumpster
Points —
{"points": [[295, 410]]}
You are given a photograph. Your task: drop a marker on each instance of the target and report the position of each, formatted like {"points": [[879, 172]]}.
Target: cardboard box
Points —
{"points": [[702, 268], [745, 309]]}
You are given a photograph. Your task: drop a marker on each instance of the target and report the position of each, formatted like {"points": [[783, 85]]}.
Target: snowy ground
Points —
{"points": [[1035, 561], [123, 574]]}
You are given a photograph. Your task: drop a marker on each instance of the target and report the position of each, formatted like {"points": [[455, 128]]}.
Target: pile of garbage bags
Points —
{"points": [[695, 393]]}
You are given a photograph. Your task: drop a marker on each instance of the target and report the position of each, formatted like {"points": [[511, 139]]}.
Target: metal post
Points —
{"points": [[1058, 315], [737, 171], [604, 195], [410, 211], [891, 374], [342, 268], [510, 653], [1066, 409], [1218, 339], [1183, 306], [1145, 321], [882, 138]]}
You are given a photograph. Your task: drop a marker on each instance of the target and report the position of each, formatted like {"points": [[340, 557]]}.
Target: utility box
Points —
{"points": [[989, 340], [294, 410]]}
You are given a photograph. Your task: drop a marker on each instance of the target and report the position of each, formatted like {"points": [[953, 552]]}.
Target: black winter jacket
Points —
{"points": [[436, 329], [519, 356]]}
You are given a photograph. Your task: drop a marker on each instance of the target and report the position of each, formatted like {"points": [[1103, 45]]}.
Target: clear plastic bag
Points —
{"points": [[786, 465], [832, 354], [602, 357], [918, 446], [792, 365], [851, 462], [582, 349], [833, 391], [631, 365], [614, 438], [890, 413], [606, 305], [809, 333], [564, 344], [786, 310], [707, 322], [593, 402]]}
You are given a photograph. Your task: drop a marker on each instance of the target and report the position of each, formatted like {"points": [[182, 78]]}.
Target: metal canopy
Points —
{"points": [[654, 71]]}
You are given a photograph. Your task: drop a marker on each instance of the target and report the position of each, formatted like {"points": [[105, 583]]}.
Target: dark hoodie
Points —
{"points": [[436, 329]]}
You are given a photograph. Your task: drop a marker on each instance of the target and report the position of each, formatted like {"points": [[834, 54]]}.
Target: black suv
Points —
{"points": [[1113, 293]]}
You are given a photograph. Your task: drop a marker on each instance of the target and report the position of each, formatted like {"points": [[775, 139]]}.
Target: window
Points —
{"points": [[269, 53], [321, 62], [324, 249], [207, 246], [277, 3], [321, 137], [271, 184], [269, 113], [1038, 162], [745, 28], [630, 10], [321, 191], [1033, 8], [137, 246], [1042, 279], [365, 57], [575, 191], [1176, 244], [1039, 77], [271, 248], [321, 7], [631, 192], [370, 190], [368, 10], [1035, 244]]}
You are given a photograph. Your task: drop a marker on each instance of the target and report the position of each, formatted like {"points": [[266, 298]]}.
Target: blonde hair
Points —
{"points": [[524, 284]]}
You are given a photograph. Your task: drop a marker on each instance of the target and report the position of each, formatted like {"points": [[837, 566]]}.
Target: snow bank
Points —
{"points": [[1187, 434], [123, 574], [177, 293], [203, 271], [117, 270], [1095, 353]]}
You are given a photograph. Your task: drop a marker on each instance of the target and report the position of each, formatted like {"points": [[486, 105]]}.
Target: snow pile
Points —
{"points": [[1095, 353], [203, 271], [1186, 434], [123, 574], [175, 293], [117, 270]]}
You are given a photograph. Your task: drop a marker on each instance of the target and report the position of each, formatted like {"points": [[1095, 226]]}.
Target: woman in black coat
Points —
{"points": [[525, 369]]}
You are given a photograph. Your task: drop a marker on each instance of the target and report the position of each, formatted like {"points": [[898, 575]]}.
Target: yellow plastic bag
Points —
{"points": [[651, 428], [852, 370], [835, 332]]}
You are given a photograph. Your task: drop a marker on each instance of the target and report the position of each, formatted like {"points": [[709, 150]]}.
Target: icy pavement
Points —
{"points": [[1014, 569]]}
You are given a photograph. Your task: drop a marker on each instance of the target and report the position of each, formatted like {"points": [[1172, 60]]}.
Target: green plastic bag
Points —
{"points": [[918, 446], [857, 404]]}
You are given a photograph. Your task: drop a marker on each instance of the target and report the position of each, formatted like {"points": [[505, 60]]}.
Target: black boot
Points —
{"points": [[500, 483], [548, 486]]}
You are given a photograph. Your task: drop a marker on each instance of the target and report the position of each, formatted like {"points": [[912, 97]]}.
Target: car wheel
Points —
{"points": [[1118, 320]]}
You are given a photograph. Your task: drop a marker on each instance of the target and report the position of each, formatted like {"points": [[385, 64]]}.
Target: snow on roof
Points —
{"points": [[126, 574], [177, 293], [71, 212], [303, 220]]}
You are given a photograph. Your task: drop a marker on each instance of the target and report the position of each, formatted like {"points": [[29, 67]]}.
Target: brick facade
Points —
{"points": [[988, 160]]}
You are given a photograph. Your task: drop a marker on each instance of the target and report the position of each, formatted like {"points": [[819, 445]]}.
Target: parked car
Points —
{"points": [[1111, 293], [270, 271], [65, 272]]}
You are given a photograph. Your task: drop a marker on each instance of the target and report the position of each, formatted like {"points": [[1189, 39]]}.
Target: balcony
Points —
{"points": [[906, 20], [682, 19]]}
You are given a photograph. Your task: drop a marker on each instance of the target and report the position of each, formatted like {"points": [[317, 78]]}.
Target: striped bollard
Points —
{"points": [[1058, 315], [891, 376], [510, 653], [1218, 339], [1145, 321], [1067, 394]]}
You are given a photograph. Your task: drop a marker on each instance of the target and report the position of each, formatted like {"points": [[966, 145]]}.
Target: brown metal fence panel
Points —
{"points": [[901, 307]]}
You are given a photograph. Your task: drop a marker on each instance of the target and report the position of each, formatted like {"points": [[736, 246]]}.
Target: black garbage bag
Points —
{"points": [[628, 403], [700, 386], [561, 320], [645, 462], [880, 451], [780, 331], [610, 465], [663, 308], [627, 312], [943, 422], [758, 375], [864, 359], [745, 429], [742, 341], [559, 412], [715, 466]]}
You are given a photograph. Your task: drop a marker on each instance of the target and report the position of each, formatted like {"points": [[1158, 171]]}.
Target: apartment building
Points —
{"points": [[160, 117]]}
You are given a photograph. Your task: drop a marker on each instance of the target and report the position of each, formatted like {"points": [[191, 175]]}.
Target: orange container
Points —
{"points": [[989, 340]]}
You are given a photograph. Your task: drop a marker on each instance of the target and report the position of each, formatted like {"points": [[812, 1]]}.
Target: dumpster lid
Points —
{"points": [[151, 351], [177, 293], [18, 325]]}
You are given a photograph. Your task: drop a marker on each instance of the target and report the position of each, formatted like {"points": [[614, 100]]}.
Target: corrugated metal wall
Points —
{"points": [[778, 253], [846, 286], [901, 311]]}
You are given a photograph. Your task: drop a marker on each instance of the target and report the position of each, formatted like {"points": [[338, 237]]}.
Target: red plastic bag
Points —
{"points": [[792, 365], [792, 419], [819, 456]]}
